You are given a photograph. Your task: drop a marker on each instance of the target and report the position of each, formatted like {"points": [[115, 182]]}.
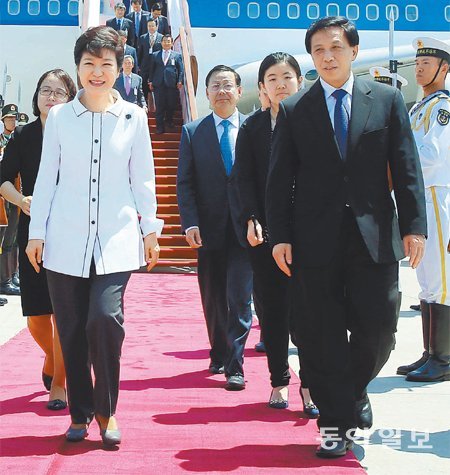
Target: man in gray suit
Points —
{"points": [[129, 84], [211, 218]]}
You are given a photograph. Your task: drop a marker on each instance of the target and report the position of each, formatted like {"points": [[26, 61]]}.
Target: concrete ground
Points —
{"points": [[411, 433]]}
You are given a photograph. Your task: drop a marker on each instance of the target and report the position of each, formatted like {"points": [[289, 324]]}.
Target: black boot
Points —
{"points": [[425, 309], [437, 368]]}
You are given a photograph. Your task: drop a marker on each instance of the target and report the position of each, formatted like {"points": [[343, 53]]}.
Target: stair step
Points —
{"points": [[177, 263], [165, 162], [166, 189], [166, 179], [176, 121], [166, 170], [166, 137], [172, 240], [173, 130], [167, 209], [165, 153], [176, 114], [166, 199], [169, 219], [178, 252], [163, 145]]}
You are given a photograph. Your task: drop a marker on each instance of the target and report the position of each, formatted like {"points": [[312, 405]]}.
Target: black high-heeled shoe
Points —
{"points": [[47, 381], [309, 408]]}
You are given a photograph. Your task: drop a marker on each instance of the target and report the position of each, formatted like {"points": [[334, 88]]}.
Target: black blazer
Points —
{"points": [[252, 164], [207, 197], [127, 25], [142, 26], [169, 74], [144, 54], [305, 152], [22, 157]]}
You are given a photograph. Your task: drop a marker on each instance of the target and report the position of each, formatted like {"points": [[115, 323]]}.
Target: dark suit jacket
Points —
{"points": [[126, 25], [136, 95], [252, 164], [207, 197], [163, 25], [305, 152], [129, 50], [142, 26], [169, 74], [144, 54]]}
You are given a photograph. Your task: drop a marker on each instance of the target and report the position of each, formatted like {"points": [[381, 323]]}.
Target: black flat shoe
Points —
{"points": [[111, 436], [260, 347], [333, 448], [56, 405], [76, 435], [47, 380], [278, 402]]}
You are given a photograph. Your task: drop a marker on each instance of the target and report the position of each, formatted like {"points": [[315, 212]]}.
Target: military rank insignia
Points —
{"points": [[443, 117]]}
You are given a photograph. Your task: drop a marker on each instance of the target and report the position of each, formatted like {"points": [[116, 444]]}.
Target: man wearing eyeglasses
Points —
{"points": [[211, 219], [119, 22]]}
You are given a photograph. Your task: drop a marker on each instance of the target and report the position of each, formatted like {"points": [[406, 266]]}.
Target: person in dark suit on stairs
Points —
{"points": [[211, 218], [119, 22], [334, 228], [165, 78], [139, 17], [148, 44], [129, 84], [129, 50]]}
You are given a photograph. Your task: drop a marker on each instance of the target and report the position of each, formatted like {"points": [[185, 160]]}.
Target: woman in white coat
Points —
{"points": [[96, 175]]}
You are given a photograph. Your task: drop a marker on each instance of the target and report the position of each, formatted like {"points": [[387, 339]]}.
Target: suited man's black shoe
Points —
{"points": [[235, 382], [363, 412], [333, 447], [415, 308], [405, 369], [8, 288], [16, 279], [216, 368], [260, 347]]}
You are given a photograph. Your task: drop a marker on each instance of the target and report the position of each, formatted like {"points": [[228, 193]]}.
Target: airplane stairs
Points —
{"points": [[175, 252]]}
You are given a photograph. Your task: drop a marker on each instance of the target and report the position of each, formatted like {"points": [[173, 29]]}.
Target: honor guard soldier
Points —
{"points": [[430, 122], [23, 118], [381, 74]]}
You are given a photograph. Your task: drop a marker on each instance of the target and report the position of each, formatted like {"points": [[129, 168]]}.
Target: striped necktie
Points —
{"points": [[341, 121], [225, 146]]}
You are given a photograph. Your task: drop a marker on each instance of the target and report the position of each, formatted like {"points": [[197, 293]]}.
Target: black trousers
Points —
{"points": [[89, 317], [8, 242], [166, 101], [271, 291], [350, 294], [225, 281]]}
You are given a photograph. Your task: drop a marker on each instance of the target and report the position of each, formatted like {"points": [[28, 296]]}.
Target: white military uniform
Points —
{"points": [[430, 122]]}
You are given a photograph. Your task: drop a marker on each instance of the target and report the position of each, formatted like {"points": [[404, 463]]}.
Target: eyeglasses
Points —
{"points": [[217, 87], [58, 94]]}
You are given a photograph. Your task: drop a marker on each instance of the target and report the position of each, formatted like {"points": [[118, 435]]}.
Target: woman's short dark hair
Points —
{"points": [[62, 76], [94, 39], [278, 58], [350, 31], [221, 68]]}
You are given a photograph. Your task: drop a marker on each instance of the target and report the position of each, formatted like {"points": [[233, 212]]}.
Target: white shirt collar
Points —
{"points": [[347, 86], [234, 119], [115, 109]]}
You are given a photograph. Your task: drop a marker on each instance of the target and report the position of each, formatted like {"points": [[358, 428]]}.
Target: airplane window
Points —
{"points": [[34, 7], [72, 7], [313, 11], [233, 10], [53, 7], [447, 13], [13, 7], [393, 9], [273, 11], [332, 9], [372, 12], [411, 12], [293, 11], [352, 11], [253, 10]]}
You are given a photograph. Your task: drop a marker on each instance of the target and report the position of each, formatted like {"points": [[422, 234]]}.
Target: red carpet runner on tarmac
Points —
{"points": [[175, 417]]}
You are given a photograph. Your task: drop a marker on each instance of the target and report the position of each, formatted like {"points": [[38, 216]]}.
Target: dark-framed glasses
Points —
{"points": [[57, 94]]}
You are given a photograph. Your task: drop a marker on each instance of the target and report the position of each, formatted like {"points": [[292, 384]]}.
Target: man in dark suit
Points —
{"points": [[334, 227], [211, 218], [119, 22], [163, 4], [165, 78], [129, 84], [129, 50], [161, 21], [139, 17], [148, 44]]}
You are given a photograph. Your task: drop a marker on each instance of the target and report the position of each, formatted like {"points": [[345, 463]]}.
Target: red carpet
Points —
{"points": [[175, 417]]}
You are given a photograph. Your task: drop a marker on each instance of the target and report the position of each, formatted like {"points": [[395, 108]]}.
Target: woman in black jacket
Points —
{"points": [[279, 77]]}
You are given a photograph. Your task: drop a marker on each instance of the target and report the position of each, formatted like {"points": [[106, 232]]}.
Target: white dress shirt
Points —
{"points": [[331, 101], [96, 175]]}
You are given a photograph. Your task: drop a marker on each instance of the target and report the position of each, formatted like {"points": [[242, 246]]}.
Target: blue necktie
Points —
{"points": [[137, 23], [120, 23], [340, 121], [225, 146]]}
